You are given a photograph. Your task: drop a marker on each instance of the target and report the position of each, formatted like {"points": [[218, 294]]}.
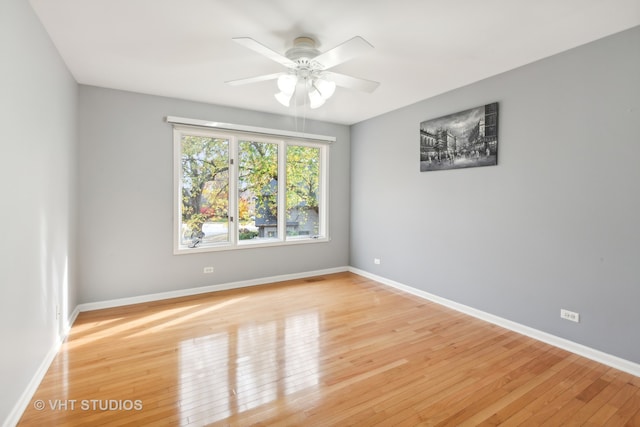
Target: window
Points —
{"points": [[236, 189]]}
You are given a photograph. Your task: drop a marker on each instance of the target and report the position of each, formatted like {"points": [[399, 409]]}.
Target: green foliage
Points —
{"points": [[194, 224], [246, 234], [258, 178], [303, 172]]}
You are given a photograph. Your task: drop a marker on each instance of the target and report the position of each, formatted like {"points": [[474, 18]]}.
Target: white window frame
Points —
{"points": [[235, 133]]}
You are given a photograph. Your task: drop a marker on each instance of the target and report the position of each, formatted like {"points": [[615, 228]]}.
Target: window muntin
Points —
{"points": [[238, 190]]}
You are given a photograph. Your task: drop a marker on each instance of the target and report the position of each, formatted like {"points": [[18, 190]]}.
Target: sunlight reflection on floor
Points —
{"points": [[222, 374]]}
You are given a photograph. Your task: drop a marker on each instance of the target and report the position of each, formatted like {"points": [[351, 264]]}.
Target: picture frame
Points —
{"points": [[465, 139]]}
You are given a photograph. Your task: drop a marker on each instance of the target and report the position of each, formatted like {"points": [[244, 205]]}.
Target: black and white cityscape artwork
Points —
{"points": [[461, 140]]}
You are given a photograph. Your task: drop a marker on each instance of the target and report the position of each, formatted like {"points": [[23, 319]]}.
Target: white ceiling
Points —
{"points": [[183, 48]]}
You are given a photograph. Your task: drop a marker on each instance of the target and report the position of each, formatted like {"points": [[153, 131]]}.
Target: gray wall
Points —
{"points": [[554, 225], [38, 100], [126, 188]]}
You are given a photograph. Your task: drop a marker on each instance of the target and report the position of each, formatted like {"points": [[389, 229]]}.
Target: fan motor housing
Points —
{"points": [[303, 48]]}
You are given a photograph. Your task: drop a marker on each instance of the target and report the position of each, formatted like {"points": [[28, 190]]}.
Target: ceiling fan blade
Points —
{"points": [[352, 82], [254, 79], [265, 51], [343, 52]]}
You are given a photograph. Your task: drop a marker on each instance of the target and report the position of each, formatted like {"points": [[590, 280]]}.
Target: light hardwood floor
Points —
{"points": [[332, 350]]}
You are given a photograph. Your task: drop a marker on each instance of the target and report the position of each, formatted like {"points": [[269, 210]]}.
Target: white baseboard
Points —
{"points": [[33, 385], [27, 394], [70, 322], [579, 349], [206, 289]]}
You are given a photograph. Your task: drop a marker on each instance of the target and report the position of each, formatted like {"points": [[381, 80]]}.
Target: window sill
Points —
{"points": [[250, 245]]}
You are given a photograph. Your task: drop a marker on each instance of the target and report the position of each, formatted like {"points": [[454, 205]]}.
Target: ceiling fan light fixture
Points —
{"points": [[315, 98], [325, 87], [287, 83], [284, 98]]}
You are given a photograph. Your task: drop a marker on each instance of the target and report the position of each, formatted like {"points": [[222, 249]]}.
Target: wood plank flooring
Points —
{"points": [[334, 350]]}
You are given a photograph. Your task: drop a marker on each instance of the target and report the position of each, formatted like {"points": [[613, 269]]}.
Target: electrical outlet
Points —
{"points": [[208, 270], [570, 315], [376, 261]]}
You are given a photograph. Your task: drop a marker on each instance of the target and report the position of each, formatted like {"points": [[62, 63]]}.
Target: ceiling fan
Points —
{"points": [[307, 69]]}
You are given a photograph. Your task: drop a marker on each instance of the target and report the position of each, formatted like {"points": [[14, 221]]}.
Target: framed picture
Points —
{"points": [[461, 140]]}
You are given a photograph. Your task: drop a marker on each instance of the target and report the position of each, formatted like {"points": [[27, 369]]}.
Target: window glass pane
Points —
{"points": [[204, 191], [257, 191], [303, 178]]}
